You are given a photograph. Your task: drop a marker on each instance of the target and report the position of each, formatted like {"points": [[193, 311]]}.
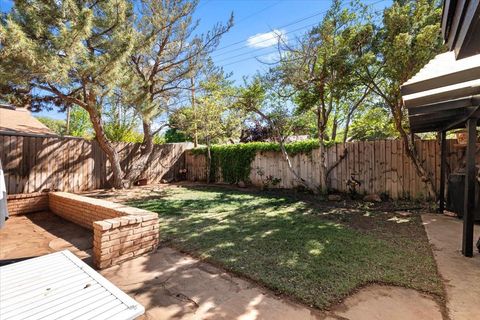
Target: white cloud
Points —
{"points": [[267, 39]]}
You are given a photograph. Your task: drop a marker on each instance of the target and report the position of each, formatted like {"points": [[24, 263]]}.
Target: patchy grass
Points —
{"points": [[314, 254]]}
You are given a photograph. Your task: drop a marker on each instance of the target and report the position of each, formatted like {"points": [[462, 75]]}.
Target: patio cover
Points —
{"points": [[61, 286], [444, 94]]}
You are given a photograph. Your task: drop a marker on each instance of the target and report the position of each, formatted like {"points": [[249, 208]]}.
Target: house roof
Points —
{"points": [[21, 121], [443, 94]]}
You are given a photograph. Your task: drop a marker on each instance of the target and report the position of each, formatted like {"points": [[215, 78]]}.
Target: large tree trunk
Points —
{"points": [[322, 150], [146, 151], [409, 146], [107, 147]]}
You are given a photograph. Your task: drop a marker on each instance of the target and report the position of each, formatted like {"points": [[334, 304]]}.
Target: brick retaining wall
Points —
{"points": [[27, 203], [120, 232]]}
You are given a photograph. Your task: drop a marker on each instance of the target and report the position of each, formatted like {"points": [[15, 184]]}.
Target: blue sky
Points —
{"points": [[257, 25]]}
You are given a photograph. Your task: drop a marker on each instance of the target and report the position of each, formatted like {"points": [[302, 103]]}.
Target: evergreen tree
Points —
{"points": [[67, 53]]}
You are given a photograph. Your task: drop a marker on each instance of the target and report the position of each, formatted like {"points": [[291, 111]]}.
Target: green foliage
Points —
{"points": [[50, 48], [173, 135], [56, 125], [80, 125], [374, 123], [211, 118], [121, 124], [234, 160]]}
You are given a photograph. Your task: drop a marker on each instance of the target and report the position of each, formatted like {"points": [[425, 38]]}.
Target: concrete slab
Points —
{"points": [[172, 285], [40, 233], [384, 302], [461, 274]]}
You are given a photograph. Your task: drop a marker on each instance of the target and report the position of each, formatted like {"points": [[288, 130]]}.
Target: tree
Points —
{"points": [[80, 125], [166, 56], [121, 122], [173, 135], [67, 53], [261, 97], [373, 123], [320, 73], [56, 125], [409, 38], [213, 119]]}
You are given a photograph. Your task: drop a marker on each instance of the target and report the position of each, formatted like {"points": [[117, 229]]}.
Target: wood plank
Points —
{"points": [[383, 176], [388, 168], [395, 170]]}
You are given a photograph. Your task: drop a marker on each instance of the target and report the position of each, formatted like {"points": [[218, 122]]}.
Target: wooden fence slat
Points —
{"points": [[381, 166], [33, 164]]}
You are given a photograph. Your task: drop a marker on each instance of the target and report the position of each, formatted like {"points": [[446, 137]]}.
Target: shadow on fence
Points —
{"points": [[35, 163]]}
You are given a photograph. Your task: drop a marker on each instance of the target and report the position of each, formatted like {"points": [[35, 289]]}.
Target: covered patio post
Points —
{"points": [[443, 163], [470, 184]]}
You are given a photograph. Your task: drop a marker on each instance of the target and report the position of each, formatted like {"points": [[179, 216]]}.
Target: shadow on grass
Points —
{"points": [[285, 245]]}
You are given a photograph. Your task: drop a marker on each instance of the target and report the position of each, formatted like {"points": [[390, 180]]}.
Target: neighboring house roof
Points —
{"points": [[21, 121]]}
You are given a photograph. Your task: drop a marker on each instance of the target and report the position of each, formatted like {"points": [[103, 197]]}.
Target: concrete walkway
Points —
{"points": [[461, 275], [172, 285]]}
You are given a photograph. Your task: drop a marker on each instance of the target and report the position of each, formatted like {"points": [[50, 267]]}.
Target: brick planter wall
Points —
{"points": [[119, 232], [27, 203]]}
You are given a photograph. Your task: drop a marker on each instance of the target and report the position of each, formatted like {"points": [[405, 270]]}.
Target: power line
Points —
{"points": [[290, 24], [256, 50], [257, 12], [279, 27], [289, 32], [254, 57]]}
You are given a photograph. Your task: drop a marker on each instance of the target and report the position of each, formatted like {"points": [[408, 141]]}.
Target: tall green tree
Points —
{"points": [[320, 72], [262, 97], [80, 124], [212, 119], [408, 38], [67, 53], [166, 58]]}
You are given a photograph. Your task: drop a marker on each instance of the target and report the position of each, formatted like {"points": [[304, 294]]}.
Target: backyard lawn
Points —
{"points": [[315, 254]]}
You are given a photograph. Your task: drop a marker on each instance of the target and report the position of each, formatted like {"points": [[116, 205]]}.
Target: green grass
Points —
{"points": [[293, 247]]}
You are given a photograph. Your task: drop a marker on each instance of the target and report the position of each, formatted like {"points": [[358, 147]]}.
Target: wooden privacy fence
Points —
{"points": [[36, 163], [380, 166]]}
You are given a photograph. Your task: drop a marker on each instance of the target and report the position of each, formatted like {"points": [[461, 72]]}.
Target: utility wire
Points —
{"points": [[264, 54], [290, 24], [257, 13], [246, 46]]}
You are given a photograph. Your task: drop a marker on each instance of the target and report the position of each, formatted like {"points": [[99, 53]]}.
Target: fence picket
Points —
{"points": [[380, 166]]}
